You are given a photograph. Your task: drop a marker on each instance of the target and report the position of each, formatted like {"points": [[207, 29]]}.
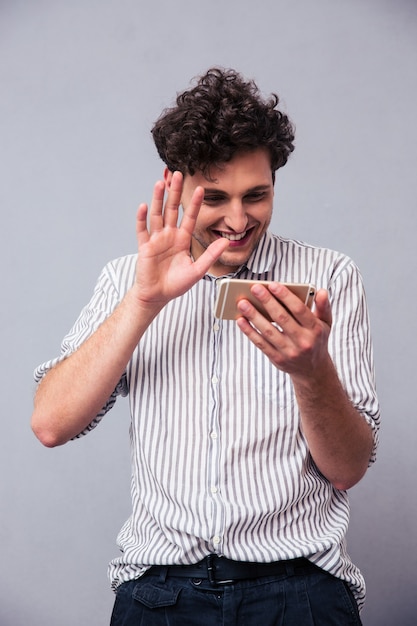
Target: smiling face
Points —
{"points": [[237, 205]]}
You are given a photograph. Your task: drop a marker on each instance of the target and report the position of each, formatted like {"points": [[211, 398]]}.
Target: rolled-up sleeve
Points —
{"points": [[103, 302], [350, 344]]}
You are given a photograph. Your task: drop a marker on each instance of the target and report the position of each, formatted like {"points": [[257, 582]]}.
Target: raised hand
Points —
{"points": [[165, 269]]}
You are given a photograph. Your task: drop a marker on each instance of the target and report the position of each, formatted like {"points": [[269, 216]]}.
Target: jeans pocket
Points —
{"points": [[351, 604], [153, 596]]}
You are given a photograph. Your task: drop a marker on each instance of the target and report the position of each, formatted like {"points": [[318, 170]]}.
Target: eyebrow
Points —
{"points": [[257, 188]]}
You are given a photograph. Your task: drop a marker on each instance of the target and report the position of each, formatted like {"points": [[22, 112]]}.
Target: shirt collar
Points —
{"points": [[263, 257]]}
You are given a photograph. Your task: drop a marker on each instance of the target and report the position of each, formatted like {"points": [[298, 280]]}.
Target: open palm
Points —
{"points": [[165, 269]]}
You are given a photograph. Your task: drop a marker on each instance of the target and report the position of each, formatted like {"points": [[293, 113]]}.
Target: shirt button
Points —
{"points": [[216, 540], [213, 435], [216, 327], [214, 380], [214, 490]]}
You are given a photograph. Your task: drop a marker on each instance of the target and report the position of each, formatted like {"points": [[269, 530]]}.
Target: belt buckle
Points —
{"points": [[211, 573]]}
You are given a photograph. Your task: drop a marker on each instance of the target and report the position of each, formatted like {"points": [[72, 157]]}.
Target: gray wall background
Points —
{"points": [[80, 84]]}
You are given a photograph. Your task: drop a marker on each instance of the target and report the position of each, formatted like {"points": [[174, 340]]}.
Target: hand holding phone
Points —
{"points": [[231, 290]]}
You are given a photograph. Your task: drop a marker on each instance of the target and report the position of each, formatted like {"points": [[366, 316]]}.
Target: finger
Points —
{"points": [[278, 312], [204, 262], [268, 340], [192, 210], [293, 308], [155, 214], [173, 200], [266, 335], [142, 234]]}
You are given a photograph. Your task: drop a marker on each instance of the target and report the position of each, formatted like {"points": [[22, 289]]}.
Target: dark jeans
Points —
{"points": [[311, 598]]}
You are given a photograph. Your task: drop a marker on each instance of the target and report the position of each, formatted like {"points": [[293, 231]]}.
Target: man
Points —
{"points": [[245, 435]]}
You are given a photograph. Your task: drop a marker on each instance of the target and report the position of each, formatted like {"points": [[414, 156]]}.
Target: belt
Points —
{"points": [[221, 571]]}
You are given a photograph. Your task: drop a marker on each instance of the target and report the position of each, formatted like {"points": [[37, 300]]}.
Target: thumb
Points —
{"points": [[322, 307]]}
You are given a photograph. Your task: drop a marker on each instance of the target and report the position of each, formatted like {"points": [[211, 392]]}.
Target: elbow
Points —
{"points": [[45, 433], [344, 485], [347, 482]]}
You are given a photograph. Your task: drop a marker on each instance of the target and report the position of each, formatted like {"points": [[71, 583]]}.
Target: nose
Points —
{"points": [[236, 218]]}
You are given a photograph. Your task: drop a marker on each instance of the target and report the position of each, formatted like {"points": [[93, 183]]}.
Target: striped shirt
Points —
{"points": [[219, 461]]}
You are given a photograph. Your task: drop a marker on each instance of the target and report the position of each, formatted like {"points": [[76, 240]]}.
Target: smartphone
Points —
{"points": [[231, 290]]}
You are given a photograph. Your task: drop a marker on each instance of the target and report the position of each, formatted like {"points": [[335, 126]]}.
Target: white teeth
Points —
{"points": [[234, 237]]}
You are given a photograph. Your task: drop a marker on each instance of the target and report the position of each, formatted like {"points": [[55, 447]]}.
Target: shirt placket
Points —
{"points": [[215, 441]]}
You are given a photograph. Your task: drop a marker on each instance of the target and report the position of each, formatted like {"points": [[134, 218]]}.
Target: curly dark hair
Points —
{"points": [[221, 116]]}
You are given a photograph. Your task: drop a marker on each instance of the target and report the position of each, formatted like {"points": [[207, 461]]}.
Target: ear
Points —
{"points": [[167, 178]]}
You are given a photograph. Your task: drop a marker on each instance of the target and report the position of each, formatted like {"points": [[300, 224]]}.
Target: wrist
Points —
{"points": [[140, 306], [319, 376]]}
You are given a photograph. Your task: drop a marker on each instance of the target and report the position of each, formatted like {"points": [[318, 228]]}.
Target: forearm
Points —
{"points": [[74, 391], [339, 438]]}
